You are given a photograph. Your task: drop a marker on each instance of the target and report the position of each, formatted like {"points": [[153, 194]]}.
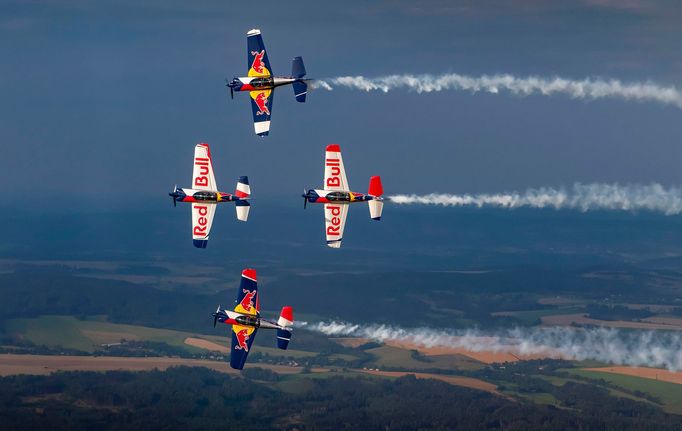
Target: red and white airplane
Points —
{"points": [[205, 195], [246, 320], [336, 196]]}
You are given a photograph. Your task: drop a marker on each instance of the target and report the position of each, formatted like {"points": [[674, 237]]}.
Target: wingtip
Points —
{"points": [[249, 273], [200, 243], [334, 148]]}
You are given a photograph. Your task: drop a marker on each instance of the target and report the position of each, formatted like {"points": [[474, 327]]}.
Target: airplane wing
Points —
{"points": [[247, 303], [261, 106], [242, 339], [203, 177], [257, 57], [202, 218], [334, 222], [334, 172]]}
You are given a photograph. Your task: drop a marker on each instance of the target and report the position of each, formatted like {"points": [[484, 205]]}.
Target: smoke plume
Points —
{"points": [[583, 197], [588, 89], [659, 349]]}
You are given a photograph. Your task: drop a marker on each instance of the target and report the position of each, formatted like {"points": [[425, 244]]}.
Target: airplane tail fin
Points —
{"points": [[243, 192], [286, 320], [298, 72], [376, 205]]}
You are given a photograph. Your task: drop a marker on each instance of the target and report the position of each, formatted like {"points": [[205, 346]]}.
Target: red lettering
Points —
{"points": [[203, 170], [336, 211], [336, 171], [200, 230], [333, 230], [336, 221], [202, 210], [202, 221], [201, 181], [333, 182], [332, 162]]}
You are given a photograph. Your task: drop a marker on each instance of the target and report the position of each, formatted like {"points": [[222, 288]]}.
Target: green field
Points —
{"points": [[670, 394], [531, 317], [388, 356]]}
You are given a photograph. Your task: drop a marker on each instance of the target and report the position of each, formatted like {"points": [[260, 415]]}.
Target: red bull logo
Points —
{"points": [[242, 337], [247, 300], [201, 180], [262, 102], [202, 221], [258, 66], [335, 227], [334, 177]]}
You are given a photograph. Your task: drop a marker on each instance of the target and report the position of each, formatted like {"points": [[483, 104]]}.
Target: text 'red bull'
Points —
{"points": [[335, 227], [334, 179], [200, 229], [202, 179]]}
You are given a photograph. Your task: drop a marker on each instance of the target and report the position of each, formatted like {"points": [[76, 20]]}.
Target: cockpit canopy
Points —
{"points": [[338, 197], [205, 196], [262, 82], [247, 320]]}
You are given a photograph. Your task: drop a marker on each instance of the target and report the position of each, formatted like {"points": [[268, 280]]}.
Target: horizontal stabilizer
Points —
{"points": [[283, 338], [300, 90], [243, 208], [297, 68], [375, 209]]}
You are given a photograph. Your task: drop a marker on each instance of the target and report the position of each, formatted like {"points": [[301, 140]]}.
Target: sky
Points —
{"points": [[103, 101]]}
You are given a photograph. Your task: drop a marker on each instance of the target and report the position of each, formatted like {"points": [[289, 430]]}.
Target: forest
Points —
{"points": [[198, 398]]}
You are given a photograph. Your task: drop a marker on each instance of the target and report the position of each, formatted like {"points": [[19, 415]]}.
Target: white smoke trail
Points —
{"points": [[589, 89], [583, 197], [659, 349]]}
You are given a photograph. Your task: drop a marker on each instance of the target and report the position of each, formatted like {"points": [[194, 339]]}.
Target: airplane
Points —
{"points": [[336, 196], [260, 83], [205, 195], [246, 320]]}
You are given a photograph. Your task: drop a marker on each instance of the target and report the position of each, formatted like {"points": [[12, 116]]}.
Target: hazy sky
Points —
{"points": [[110, 97]]}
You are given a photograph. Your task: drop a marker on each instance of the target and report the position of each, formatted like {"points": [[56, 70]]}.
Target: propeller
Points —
{"points": [[173, 195], [305, 198], [215, 316], [229, 84]]}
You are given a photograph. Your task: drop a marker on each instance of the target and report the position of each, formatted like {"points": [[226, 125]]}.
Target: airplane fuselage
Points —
{"points": [[234, 318], [203, 196], [248, 83], [321, 196]]}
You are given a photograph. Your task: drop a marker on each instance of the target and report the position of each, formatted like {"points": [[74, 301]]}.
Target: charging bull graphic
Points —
{"points": [[258, 65], [247, 301], [262, 103]]}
